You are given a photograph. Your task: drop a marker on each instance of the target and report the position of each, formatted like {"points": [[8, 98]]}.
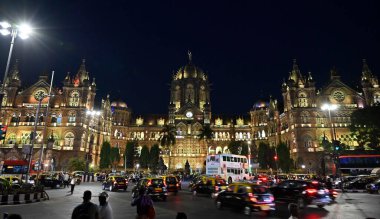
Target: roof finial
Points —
{"points": [[190, 56]]}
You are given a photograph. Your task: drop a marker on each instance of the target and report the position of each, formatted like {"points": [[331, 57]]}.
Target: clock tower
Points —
{"points": [[189, 110]]}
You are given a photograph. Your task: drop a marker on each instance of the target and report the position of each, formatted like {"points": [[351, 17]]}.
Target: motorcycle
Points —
{"points": [[333, 194]]}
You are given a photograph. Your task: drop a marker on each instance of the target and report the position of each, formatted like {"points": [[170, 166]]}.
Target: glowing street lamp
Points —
{"points": [[23, 31], [329, 108]]}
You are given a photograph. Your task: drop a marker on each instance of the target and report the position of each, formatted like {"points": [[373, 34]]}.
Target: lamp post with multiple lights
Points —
{"points": [[329, 108], [91, 115], [23, 31]]}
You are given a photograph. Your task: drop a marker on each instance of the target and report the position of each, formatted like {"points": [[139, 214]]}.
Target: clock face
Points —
{"points": [[189, 114], [40, 94], [339, 96]]}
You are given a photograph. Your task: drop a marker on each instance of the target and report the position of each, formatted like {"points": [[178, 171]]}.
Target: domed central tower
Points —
{"points": [[190, 94]]}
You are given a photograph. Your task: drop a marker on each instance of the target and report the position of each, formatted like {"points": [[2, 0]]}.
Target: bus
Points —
{"points": [[230, 167], [17, 168], [359, 164]]}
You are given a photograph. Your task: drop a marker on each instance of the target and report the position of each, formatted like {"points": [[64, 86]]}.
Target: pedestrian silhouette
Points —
{"points": [[86, 210], [293, 209], [181, 215]]}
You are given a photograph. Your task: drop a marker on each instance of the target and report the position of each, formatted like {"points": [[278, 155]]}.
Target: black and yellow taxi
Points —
{"points": [[154, 187], [171, 183], [113, 183], [246, 196], [209, 185]]}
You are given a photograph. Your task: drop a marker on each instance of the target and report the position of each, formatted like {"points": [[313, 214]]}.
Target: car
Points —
{"points": [[171, 183], [373, 187], [154, 187], [209, 186], [50, 180], [301, 192], [113, 183], [359, 183], [247, 197]]}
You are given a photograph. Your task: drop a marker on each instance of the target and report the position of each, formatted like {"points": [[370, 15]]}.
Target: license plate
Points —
{"points": [[264, 207], [157, 190], [321, 192]]}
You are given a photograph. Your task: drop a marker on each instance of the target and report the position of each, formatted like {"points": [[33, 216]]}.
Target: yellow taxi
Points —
{"points": [[209, 185], [171, 183], [154, 187], [246, 196]]}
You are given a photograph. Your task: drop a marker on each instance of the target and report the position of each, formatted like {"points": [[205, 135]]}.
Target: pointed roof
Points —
{"points": [[366, 72], [295, 75], [82, 74]]}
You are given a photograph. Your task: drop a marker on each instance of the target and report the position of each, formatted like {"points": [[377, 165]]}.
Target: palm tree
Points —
{"points": [[206, 134], [167, 139]]}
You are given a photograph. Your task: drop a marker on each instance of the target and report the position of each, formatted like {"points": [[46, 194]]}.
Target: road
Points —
{"points": [[61, 204]]}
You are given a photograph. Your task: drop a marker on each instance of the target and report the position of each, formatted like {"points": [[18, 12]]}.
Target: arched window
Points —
{"points": [[376, 98], [308, 141], [263, 134], [72, 117], [302, 99], [305, 117], [11, 138], [69, 139], [190, 93], [5, 99], [74, 99]]}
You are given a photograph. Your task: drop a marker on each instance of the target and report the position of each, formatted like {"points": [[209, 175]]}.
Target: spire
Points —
{"points": [[82, 74], [295, 74], [190, 56], [366, 72], [93, 82], [334, 73], [15, 71]]}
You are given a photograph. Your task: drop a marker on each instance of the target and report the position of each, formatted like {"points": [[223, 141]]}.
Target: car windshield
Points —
{"points": [[157, 181], [171, 180], [259, 190], [119, 179]]}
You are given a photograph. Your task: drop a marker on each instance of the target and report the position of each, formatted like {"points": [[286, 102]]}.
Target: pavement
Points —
{"points": [[61, 204]]}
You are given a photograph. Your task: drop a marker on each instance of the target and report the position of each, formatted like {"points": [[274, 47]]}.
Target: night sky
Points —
{"points": [[246, 47]]}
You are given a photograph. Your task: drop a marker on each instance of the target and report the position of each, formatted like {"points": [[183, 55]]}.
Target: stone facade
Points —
{"points": [[301, 124]]}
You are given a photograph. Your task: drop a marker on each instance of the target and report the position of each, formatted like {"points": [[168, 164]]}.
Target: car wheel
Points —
{"points": [[300, 203], [164, 198], [111, 188], [218, 204], [267, 213], [103, 187], [321, 206], [133, 194], [247, 210], [125, 189], [195, 193]]}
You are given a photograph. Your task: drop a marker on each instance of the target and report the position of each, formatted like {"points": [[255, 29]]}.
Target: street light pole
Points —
{"points": [[23, 31], [249, 157]]}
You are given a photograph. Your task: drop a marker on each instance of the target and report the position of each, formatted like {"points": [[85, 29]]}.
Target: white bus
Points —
{"points": [[230, 167]]}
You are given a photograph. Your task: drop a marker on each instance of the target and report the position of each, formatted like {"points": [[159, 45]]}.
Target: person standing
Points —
{"points": [[144, 205], [72, 184], [105, 210], [66, 179], [87, 209]]}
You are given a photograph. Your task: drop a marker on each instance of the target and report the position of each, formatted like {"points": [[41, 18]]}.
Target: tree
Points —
{"points": [[154, 156], [144, 157], [115, 157], [283, 154], [187, 167], [76, 164], [365, 126], [234, 147], [105, 160], [266, 156], [130, 153], [206, 134], [167, 139]]}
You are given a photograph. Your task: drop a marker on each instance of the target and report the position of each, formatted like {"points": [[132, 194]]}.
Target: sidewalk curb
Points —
{"points": [[22, 198]]}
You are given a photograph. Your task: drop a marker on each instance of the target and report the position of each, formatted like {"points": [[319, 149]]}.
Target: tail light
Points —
{"points": [[149, 183], [216, 188], [177, 184], [311, 191], [114, 182], [252, 198], [271, 198], [327, 191]]}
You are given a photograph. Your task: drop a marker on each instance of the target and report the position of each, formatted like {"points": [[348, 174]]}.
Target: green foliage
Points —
{"points": [[76, 164], [167, 139], [105, 152], [154, 156], [284, 160], [238, 147], [266, 156], [115, 156], [144, 157], [365, 126], [206, 133], [130, 153]]}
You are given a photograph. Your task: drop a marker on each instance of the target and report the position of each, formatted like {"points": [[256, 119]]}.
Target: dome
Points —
{"points": [[119, 104], [190, 71], [260, 104]]}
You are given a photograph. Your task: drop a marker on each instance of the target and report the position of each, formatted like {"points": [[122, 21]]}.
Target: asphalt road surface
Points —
{"points": [[61, 204]]}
